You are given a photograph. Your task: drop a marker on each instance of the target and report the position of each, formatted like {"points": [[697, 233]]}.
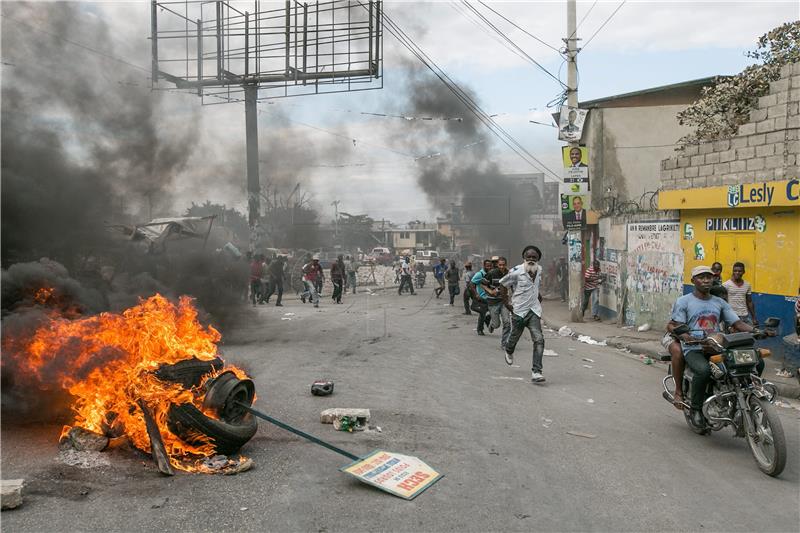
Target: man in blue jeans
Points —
{"points": [[479, 296], [526, 307]]}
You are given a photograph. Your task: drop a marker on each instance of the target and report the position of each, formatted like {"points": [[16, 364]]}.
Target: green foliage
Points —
{"points": [[726, 105]]}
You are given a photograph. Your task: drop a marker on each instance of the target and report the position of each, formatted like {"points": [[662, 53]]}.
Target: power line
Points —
{"points": [[603, 24], [512, 43], [523, 30], [582, 19]]}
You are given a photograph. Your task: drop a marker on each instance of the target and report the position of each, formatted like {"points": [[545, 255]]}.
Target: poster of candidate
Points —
{"points": [[570, 124], [573, 211], [576, 167]]}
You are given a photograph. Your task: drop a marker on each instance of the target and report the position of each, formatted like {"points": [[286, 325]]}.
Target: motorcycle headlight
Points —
{"points": [[744, 357]]}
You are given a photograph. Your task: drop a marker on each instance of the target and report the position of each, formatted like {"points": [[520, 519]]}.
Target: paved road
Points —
{"points": [[439, 392]]}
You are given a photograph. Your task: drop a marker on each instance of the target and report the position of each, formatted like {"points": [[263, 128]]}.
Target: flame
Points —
{"points": [[43, 295], [111, 360]]}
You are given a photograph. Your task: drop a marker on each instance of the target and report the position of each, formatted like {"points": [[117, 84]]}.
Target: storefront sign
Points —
{"points": [[654, 237], [766, 194], [756, 223], [402, 475]]}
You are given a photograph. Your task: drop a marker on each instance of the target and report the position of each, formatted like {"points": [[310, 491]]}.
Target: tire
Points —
{"points": [[187, 421], [224, 393], [770, 457], [189, 372]]}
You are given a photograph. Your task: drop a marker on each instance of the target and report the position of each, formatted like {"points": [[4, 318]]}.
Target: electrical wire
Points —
{"points": [[523, 30], [603, 25], [582, 19]]}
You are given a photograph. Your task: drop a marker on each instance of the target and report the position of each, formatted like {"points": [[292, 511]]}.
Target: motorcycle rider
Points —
{"points": [[702, 312]]}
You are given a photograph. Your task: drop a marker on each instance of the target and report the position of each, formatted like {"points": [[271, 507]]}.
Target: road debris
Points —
{"points": [[85, 459], [285, 318], [11, 495], [589, 401], [588, 340], [783, 373], [588, 366], [83, 440], [550, 353], [643, 328], [579, 434], [565, 331], [508, 377], [322, 387], [588, 360], [227, 466], [546, 422]]}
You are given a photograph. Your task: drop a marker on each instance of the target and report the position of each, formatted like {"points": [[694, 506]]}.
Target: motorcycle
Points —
{"points": [[736, 395], [420, 279]]}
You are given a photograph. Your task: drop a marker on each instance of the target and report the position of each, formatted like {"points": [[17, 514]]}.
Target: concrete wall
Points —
{"points": [[626, 145], [766, 148]]}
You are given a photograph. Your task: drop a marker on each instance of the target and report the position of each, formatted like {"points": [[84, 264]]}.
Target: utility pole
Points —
{"points": [[253, 186], [335, 205], [574, 237]]}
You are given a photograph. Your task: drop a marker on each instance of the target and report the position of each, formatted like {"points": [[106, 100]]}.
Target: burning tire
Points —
{"points": [[191, 425], [189, 372]]}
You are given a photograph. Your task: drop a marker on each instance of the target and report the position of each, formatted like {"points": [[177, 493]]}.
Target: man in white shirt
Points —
{"points": [[405, 276], [526, 307], [740, 295]]}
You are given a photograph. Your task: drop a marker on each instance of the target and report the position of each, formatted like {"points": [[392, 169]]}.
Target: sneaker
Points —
{"points": [[537, 377], [278, 305], [316, 305], [509, 358], [491, 328], [303, 299], [481, 333]]}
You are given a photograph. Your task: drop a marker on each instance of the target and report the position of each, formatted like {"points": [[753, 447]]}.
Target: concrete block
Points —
{"points": [[745, 153], [777, 111], [739, 165], [766, 101], [721, 146], [722, 168], [793, 121], [683, 184], [780, 123], [11, 493], [765, 149], [793, 147], [712, 158], [757, 163], [690, 172], [792, 171], [683, 162], [747, 129], [714, 181], [791, 160], [757, 115], [699, 182], [731, 179], [705, 148], [329, 415], [669, 164], [679, 173], [755, 140], [794, 95], [690, 150], [781, 98], [739, 142], [791, 69], [727, 155], [765, 125], [776, 137], [705, 170], [774, 161], [698, 160], [781, 84]]}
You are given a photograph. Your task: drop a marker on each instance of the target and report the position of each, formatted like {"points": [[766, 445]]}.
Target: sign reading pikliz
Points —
{"points": [[402, 475]]}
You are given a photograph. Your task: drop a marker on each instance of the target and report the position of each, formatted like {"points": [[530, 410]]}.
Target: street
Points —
{"points": [[439, 392]]}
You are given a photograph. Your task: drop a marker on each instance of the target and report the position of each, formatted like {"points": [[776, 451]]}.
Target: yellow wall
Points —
{"points": [[771, 256]]}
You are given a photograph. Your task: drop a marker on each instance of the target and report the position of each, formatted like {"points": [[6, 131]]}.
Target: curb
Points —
{"points": [[787, 390]]}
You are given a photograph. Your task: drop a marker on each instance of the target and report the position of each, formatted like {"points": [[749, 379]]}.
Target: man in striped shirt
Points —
{"points": [[592, 278], [740, 295]]}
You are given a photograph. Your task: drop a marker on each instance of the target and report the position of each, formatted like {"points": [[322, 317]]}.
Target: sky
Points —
{"points": [[328, 144]]}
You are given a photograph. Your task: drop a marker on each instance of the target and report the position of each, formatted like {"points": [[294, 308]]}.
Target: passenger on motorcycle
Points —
{"points": [[703, 313]]}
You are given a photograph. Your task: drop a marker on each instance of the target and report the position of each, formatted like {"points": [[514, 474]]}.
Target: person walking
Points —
{"points": [[468, 273], [311, 273], [740, 295], [562, 276], [592, 279], [438, 274], [276, 275], [452, 276], [256, 273], [498, 312], [351, 268], [337, 279], [525, 305], [479, 305], [405, 277]]}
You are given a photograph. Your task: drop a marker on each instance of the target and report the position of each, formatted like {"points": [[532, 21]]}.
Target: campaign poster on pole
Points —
{"points": [[402, 475], [573, 211], [576, 168], [570, 124]]}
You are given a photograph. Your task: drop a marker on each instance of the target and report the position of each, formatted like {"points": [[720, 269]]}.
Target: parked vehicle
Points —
{"points": [[427, 257], [737, 396], [381, 255]]}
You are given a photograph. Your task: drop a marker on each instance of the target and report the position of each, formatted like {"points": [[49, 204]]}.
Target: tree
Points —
{"points": [[726, 105]]}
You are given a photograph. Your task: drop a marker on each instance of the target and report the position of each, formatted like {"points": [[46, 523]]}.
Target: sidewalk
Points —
{"points": [[643, 344]]}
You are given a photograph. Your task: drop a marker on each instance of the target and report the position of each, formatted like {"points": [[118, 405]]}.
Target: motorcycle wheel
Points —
{"points": [[768, 445]]}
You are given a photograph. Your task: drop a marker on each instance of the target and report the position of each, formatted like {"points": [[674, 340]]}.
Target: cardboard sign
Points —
{"points": [[402, 475]]}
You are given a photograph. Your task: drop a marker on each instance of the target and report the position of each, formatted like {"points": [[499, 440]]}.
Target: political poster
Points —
{"points": [[573, 211], [402, 475], [576, 168], [570, 124]]}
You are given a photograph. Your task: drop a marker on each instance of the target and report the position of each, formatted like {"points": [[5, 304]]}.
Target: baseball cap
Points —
{"points": [[702, 269], [315, 257]]}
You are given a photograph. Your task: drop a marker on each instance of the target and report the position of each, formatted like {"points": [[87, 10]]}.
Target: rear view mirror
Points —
{"points": [[772, 322], [680, 330]]}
